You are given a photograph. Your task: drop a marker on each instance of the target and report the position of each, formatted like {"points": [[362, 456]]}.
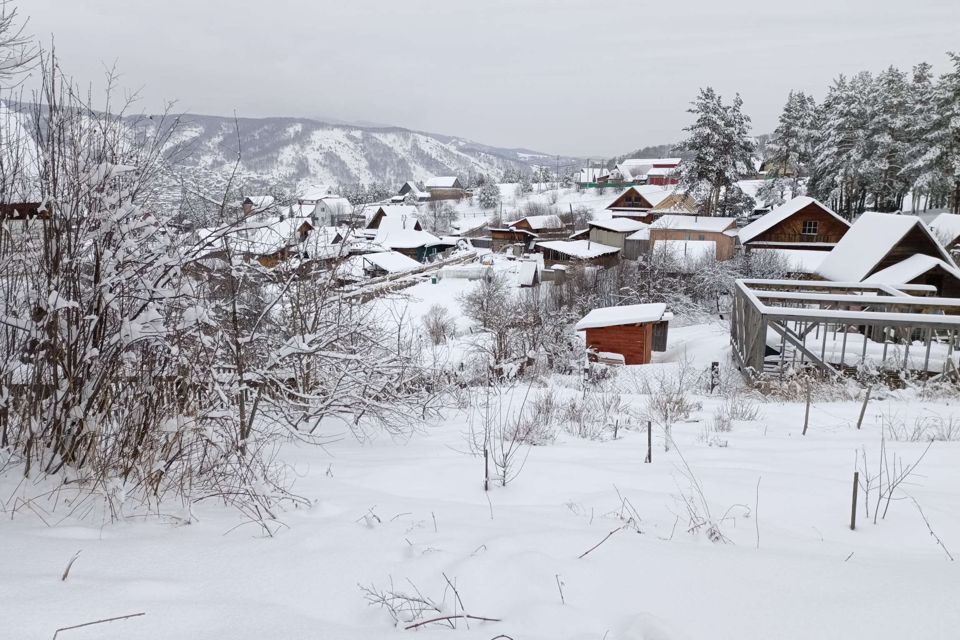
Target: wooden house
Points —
{"points": [[410, 189], [613, 232], [399, 211], [686, 228], [639, 171], [590, 177], [892, 249], [647, 202], [527, 230], [946, 227], [801, 223], [632, 331], [445, 188], [403, 234]]}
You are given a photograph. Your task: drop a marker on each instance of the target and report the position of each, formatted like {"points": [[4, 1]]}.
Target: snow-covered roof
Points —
{"points": [[781, 213], [540, 223], [581, 249], [619, 225], [527, 273], [335, 202], [871, 238], [592, 174], [639, 168], [626, 315], [909, 269], [397, 210], [946, 226], [259, 202], [643, 234], [441, 182], [400, 222], [800, 260], [693, 223], [661, 171], [404, 238], [654, 194], [316, 192], [391, 261]]}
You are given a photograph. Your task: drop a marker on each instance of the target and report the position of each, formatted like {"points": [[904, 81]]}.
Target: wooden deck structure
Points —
{"points": [[843, 328]]}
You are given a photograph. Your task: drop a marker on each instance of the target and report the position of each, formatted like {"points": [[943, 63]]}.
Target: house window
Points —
{"points": [[810, 227], [702, 237]]}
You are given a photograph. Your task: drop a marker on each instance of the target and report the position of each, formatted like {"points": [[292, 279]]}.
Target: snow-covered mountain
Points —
{"points": [[300, 150]]}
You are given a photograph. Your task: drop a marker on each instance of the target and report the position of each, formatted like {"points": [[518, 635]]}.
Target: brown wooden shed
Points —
{"points": [[632, 331]]}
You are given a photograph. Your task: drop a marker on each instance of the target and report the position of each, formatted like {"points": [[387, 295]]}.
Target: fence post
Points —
{"points": [[863, 409], [714, 376], [806, 414], [853, 506], [649, 442]]}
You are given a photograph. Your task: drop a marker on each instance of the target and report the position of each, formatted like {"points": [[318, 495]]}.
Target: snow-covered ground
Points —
{"points": [[412, 511]]}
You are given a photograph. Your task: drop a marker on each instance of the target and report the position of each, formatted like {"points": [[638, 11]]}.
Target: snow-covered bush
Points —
{"points": [[439, 324]]}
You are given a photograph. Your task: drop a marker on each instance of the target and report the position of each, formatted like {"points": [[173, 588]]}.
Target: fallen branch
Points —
{"points": [[89, 624], [607, 537], [461, 616]]}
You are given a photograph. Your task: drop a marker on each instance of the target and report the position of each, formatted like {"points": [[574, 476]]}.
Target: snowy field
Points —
{"points": [[413, 512]]}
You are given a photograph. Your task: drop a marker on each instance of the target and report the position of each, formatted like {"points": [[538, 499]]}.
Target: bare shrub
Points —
{"points": [[931, 428], [439, 324]]}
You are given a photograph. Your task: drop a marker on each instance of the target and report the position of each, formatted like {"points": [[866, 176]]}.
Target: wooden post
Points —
{"points": [[486, 470], [806, 414], [649, 442], [853, 505], [863, 409]]}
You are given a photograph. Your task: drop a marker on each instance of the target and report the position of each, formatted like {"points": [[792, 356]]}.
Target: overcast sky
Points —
{"points": [[588, 78]]}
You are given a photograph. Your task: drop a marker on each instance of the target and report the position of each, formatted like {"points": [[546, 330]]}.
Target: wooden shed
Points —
{"points": [[632, 331]]}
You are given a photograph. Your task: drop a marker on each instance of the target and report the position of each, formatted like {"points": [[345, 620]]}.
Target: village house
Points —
{"points": [[681, 228], [883, 248], [637, 171], [254, 205], [802, 223], [591, 177], [647, 202], [613, 232], [445, 188], [400, 211], [526, 230], [403, 233], [629, 334], [413, 190]]}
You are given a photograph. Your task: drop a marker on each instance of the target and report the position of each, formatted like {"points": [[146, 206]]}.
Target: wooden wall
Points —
{"points": [[607, 237], [790, 230], [633, 342], [726, 245]]}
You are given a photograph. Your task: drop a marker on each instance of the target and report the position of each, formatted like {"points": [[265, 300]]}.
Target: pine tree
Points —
{"points": [[791, 149], [721, 147], [942, 158]]}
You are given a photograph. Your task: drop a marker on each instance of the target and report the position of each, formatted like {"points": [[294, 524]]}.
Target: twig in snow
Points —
{"points": [[89, 624], [756, 512], [605, 538], [560, 588], [930, 529], [66, 572], [462, 616]]}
